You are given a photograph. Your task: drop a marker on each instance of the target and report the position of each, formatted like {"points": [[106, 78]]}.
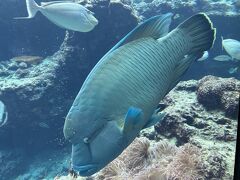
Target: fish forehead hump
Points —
{"points": [[82, 123]]}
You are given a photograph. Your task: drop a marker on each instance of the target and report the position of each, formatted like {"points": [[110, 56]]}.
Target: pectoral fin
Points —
{"points": [[156, 117], [133, 119]]}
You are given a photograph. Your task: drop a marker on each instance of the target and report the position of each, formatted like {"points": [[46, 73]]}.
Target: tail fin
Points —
{"points": [[200, 32], [32, 8], [222, 42]]}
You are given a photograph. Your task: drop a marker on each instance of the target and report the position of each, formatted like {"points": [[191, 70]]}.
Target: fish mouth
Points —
{"points": [[86, 170]]}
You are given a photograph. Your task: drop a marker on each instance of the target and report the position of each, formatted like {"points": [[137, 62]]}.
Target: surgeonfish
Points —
{"points": [[232, 47], [222, 58], [3, 114], [65, 14], [204, 57], [120, 95]]}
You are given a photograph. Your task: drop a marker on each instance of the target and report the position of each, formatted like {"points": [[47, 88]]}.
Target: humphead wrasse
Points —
{"points": [[120, 95], [65, 14]]}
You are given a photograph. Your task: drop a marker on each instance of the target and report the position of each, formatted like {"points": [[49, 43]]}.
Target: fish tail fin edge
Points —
{"points": [[200, 31], [222, 42], [32, 9]]}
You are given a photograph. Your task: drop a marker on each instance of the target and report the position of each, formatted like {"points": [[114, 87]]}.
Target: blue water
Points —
{"points": [[33, 136]]}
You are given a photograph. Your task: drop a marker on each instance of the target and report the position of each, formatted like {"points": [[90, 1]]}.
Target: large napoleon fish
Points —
{"points": [[120, 95], [65, 14]]}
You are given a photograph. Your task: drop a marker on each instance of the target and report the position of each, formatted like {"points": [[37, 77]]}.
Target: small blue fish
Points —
{"points": [[65, 14], [120, 95]]}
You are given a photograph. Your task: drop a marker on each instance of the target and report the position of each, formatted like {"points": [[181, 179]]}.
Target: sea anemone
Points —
{"points": [[186, 164], [162, 149], [136, 155], [115, 170]]}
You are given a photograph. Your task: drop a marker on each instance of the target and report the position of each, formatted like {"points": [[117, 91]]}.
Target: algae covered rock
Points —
{"points": [[28, 59], [214, 165], [11, 161], [212, 129], [211, 7], [219, 93], [230, 103]]}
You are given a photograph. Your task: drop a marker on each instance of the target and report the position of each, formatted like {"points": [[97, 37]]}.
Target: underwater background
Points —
{"points": [[196, 139]]}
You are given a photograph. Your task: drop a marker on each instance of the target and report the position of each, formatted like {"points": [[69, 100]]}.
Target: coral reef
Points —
{"points": [[26, 88], [230, 103], [188, 121], [69, 177], [27, 59], [214, 92], [11, 161], [214, 166], [211, 7]]}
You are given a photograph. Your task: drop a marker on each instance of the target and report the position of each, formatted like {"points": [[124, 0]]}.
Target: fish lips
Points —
{"points": [[86, 170]]}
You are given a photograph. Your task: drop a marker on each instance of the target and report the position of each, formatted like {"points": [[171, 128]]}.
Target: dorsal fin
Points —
{"points": [[155, 27]]}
